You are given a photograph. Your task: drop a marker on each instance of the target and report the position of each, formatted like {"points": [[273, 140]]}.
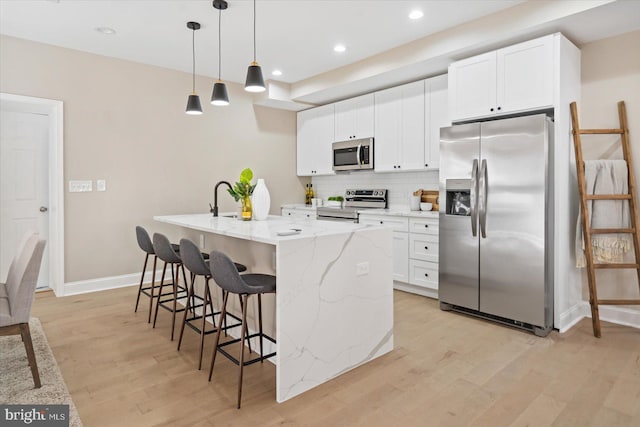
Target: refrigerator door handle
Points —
{"points": [[473, 199], [483, 199]]}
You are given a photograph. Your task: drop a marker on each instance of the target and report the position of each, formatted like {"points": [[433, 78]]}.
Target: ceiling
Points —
{"points": [[296, 37]]}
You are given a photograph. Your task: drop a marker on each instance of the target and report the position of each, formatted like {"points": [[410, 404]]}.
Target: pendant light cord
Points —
{"points": [[254, 30], [219, 41], [193, 51]]}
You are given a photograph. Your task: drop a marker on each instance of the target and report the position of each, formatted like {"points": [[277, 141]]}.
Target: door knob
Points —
{"points": [[43, 209]]}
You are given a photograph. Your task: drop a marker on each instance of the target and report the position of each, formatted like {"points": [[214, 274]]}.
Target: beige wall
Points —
{"points": [[611, 73], [125, 122]]}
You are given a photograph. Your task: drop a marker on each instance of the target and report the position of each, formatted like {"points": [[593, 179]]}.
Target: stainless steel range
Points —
{"points": [[354, 200]]}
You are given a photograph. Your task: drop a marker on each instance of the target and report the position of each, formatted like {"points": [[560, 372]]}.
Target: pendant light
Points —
{"points": [[219, 96], [254, 82], [193, 103]]}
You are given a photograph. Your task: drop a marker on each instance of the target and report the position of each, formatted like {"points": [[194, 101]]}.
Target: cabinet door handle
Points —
{"points": [[492, 109], [426, 248], [426, 274], [426, 226], [426, 165], [499, 108], [381, 222]]}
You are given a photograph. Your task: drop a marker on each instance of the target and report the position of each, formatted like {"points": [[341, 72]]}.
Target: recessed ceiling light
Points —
{"points": [[416, 14], [106, 30], [276, 73], [339, 48]]}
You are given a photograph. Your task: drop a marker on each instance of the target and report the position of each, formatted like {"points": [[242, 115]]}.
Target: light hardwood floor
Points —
{"points": [[446, 370]]}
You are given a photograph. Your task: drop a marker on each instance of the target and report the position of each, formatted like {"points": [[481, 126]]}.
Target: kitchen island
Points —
{"points": [[333, 309]]}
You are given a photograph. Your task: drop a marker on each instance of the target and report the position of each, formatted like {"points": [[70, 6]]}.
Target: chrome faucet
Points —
{"points": [[214, 208]]}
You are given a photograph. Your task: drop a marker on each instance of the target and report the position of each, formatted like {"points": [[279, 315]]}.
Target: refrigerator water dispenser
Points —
{"points": [[458, 197]]}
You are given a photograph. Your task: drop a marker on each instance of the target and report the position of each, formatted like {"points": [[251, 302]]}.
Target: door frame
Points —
{"points": [[55, 245]]}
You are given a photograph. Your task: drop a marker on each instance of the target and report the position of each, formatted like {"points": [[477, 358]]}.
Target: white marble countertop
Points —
{"points": [[260, 231]]}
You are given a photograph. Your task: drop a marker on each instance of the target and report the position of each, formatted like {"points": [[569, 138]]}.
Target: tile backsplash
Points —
{"points": [[400, 185]]}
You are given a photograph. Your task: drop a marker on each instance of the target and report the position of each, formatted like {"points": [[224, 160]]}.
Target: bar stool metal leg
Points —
{"points": [[243, 335], [153, 285], [144, 270], [225, 296], [186, 311], [155, 316]]}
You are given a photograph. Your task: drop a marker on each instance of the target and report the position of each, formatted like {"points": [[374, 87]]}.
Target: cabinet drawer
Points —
{"points": [[424, 225], [423, 247], [396, 223], [298, 213], [423, 273]]}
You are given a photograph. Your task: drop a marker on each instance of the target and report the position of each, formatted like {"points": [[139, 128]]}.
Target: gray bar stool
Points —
{"points": [[194, 261], [228, 278], [144, 241], [166, 253]]}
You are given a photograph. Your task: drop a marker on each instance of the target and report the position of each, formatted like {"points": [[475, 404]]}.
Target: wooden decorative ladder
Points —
{"points": [[587, 231]]}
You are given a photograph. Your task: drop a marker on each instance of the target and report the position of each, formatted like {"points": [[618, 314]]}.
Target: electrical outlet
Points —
{"points": [[362, 268], [80, 186], [101, 185]]}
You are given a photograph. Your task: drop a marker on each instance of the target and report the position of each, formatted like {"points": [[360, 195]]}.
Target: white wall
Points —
{"points": [[125, 122], [611, 73]]}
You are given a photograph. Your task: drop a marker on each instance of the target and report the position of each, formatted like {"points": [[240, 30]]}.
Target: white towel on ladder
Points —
{"points": [[605, 177]]}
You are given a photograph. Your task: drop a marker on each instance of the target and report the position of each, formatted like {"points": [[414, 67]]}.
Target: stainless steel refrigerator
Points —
{"points": [[496, 221]]}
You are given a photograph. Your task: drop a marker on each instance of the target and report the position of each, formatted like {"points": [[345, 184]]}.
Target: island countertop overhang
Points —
{"points": [[261, 231]]}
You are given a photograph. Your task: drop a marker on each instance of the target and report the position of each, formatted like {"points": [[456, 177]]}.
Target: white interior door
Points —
{"points": [[24, 184]]}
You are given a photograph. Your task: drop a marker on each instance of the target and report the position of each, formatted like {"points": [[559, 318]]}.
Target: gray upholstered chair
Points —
{"points": [[16, 297], [196, 263], [227, 277]]}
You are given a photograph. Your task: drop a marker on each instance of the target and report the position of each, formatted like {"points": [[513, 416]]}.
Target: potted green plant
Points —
{"points": [[241, 191], [335, 201]]}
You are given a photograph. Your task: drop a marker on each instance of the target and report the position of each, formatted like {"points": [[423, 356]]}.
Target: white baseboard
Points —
{"points": [[618, 315], [608, 313], [571, 317], [106, 283]]}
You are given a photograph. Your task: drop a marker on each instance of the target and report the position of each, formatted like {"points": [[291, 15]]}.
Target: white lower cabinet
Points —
{"points": [[400, 256], [415, 252], [424, 274], [299, 212]]}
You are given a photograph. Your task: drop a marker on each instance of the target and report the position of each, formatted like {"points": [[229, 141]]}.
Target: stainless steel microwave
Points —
{"points": [[355, 154]]}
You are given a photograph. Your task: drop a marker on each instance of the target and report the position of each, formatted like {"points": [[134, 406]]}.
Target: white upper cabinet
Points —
{"points": [[354, 118], [525, 75], [436, 117], [399, 128], [472, 87], [314, 139], [510, 80]]}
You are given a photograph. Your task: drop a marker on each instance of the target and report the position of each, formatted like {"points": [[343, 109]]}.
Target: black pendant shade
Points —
{"points": [[220, 95], [254, 82], [193, 105]]}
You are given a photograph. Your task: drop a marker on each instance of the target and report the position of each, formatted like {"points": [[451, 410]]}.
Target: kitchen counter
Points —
{"points": [[300, 206], [333, 309], [260, 231]]}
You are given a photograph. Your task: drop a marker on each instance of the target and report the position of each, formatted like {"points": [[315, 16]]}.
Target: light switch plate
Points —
{"points": [[101, 185], [80, 186]]}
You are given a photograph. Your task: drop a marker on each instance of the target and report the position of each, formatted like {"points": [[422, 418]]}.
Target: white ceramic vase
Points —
{"points": [[261, 201]]}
